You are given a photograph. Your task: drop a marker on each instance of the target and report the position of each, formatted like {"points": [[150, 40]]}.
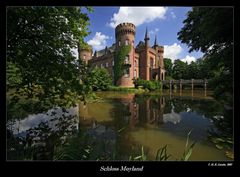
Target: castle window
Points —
{"points": [[151, 62], [135, 63], [126, 42], [84, 57], [119, 43], [107, 64], [135, 73], [126, 72], [126, 61]]}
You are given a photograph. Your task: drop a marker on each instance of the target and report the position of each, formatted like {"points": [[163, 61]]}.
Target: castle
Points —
{"points": [[143, 61]]}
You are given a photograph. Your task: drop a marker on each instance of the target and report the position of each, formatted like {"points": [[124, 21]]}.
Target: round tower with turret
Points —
{"points": [[125, 35]]}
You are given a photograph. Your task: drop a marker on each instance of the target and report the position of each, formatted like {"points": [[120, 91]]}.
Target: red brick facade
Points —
{"points": [[146, 62]]}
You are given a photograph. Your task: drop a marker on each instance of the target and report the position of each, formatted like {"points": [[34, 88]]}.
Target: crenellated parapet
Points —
{"points": [[125, 28]]}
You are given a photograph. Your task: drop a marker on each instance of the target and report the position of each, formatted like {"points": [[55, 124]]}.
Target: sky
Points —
{"points": [[165, 22]]}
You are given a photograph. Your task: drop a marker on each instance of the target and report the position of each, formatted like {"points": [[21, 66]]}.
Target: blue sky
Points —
{"points": [[165, 22]]}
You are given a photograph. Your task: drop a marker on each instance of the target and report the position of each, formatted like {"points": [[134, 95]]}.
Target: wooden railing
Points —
{"points": [[182, 82]]}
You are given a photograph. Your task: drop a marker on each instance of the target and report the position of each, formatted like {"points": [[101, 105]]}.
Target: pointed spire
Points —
{"points": [[106, 49], [155, 42], [146, 35]]}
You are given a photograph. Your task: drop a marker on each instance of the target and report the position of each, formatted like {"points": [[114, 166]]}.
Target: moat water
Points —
{"points": [[130, 122]]}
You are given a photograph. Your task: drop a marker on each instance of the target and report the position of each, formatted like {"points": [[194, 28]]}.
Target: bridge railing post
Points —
{"points": [[180, 87], [170, 87], [205, 87], [192, 86]]}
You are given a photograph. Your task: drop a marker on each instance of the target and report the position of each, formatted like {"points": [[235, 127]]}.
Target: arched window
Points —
{"points": [[151, 62], [126, 72], [135, 73]]}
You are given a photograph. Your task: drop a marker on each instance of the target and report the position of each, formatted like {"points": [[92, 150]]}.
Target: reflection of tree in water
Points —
{"points": [[39, 141], [222, 134], [208, 108]]}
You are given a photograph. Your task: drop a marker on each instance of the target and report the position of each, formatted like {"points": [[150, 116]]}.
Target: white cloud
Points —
{"points": [[172, 51], [188, 59], [173, 15], [98, 42], [154, 31], [137, 15]]}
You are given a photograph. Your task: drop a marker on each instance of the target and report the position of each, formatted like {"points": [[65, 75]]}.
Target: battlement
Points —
{"points": [[125, 28]]}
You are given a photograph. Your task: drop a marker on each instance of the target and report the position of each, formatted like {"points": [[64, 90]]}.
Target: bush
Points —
{"points": [[99, 79], [124, 89], [150, 85]]}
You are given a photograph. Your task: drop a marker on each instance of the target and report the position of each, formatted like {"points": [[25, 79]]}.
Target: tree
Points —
{"points": [[99, 79], [205, 71], [168, 66], [39, 44], [192, 71], [179, 69], [210, 30]]}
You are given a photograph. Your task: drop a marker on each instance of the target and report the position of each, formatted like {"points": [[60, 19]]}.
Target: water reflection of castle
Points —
{"points": [[134, 110], [145, 111]]}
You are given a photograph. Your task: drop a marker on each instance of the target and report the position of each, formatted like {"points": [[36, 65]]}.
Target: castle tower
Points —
{"points": [[161, 51], [147, 38], [125, 35], [155, 42], [146, 61], [85, 53]]}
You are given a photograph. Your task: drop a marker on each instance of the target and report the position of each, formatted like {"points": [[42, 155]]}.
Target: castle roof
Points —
{"points": [[103, 51]]}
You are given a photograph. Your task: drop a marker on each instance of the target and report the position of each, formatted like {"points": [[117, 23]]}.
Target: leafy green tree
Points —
{"points": [[179, 69], [168, 66], [39, 44], [210, 30], [13, 75], [205, 71], [99, 79], [192, 71]]}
